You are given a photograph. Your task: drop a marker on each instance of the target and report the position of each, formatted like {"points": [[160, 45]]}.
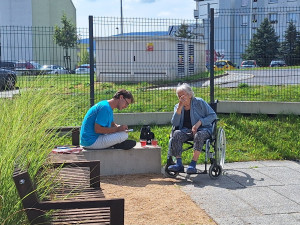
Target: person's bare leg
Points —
{"points": [[196, 155]]}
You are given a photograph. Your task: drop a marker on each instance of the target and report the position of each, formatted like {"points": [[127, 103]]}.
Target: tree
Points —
{"points": [[264, 46], [84, 57], [183, 31], [289, 48], [66, 37]]}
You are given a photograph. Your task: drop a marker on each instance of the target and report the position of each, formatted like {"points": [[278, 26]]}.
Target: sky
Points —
{"points": [[175, 9]]}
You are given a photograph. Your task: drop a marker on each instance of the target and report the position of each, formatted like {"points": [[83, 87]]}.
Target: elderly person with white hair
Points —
{"points": [[193, 117]]}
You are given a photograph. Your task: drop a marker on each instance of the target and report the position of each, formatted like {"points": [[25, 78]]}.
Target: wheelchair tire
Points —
{"points": [[220, 148], [215, 171], [169, 173]]}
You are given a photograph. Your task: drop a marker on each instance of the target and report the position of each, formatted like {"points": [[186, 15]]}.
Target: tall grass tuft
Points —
{"points": [[26, 141]]}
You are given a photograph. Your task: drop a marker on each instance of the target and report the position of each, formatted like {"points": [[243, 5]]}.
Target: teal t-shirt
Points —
{"points": [[102, 114]]}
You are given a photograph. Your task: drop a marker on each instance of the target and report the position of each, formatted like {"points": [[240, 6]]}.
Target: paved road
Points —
{"points": [[259, 192], [256, 77]]}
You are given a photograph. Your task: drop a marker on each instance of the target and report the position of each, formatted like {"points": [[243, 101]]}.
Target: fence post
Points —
{"points": [[212, 56], [91, 47]]}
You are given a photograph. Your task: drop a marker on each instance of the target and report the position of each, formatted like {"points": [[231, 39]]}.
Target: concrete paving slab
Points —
{"points": [[223, 202], [245, 165], [204, 180], [267, 201], [286, 163], [284, 175], [259, 192], [291, 192], [250, 177], [229, 221], [297, 216], [278, 219]]}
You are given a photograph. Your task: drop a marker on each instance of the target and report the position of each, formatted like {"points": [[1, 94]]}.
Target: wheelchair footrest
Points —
{"points": [[198, 172]]}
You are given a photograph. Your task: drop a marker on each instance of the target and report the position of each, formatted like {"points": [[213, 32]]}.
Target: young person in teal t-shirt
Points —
{"points": [[98, 129]]}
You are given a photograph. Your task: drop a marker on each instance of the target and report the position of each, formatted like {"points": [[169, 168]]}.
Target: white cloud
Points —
{"points": [[177, 9], [148, 1]]}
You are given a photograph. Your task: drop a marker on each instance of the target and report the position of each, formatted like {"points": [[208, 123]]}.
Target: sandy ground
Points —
{"points": [[151, 199]]}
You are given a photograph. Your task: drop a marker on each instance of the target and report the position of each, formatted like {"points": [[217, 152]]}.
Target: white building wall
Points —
{"points": [[15, 13], [122, 59], [26, 27]]}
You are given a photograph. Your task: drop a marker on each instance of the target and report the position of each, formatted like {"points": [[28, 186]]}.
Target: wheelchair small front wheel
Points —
{"points": [[215, 171], [169, 173]]}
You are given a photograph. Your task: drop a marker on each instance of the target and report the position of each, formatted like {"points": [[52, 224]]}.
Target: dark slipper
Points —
{"points": [[125, 145]]}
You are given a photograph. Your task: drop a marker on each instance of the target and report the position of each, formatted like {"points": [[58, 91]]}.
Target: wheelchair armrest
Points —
{"points": [[214, 129]]}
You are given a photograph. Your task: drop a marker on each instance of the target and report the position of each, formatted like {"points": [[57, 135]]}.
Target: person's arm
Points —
{"points": [[208, 113], [175, 121], [109, 130], [177, 111]]}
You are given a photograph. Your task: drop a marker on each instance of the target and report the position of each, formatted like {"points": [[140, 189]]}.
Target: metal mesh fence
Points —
{"points": [[150, 57], [32, 54]]}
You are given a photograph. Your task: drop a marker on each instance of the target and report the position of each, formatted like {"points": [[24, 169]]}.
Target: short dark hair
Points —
{"points": [[126, 94]]}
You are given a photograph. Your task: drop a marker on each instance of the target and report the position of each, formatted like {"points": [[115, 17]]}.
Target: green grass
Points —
{"points": [[256, 137], [75, 92], [25, 142]]}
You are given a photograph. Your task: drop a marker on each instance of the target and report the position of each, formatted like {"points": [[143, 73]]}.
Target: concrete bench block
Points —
{"points": [[134, 161]]}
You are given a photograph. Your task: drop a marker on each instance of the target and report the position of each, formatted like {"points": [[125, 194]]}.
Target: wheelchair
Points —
{"points": [[214, 148]]}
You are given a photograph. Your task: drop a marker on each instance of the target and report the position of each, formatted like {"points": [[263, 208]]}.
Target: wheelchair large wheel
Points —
{"points": [[215, 171], [169, 173], [220, 148]]}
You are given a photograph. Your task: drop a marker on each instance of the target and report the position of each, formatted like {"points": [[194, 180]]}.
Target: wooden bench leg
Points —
{"points": [[117, 212], [75, 136]]}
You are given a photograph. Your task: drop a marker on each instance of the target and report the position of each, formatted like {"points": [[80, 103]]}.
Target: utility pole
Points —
{"points": [[121, 17]]}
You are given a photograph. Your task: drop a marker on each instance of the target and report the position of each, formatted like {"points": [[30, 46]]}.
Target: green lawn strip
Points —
{"points": [[255, 137]]}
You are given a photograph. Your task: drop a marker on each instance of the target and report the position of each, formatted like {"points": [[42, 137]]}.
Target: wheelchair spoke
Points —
{"points": [[221, 147]]}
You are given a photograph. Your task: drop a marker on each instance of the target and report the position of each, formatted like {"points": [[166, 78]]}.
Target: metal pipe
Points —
{"points": [[121, 6], [212, 55], [91, 49]]}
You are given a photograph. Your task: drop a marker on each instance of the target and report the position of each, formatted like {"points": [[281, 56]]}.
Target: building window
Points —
{"points": [[244, 20], [273, 18], [254, 18], [244, 3], [273, 1], [292, 17], [244, 40]]}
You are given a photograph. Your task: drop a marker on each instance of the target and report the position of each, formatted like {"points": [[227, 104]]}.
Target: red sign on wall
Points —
{"points": [[150, 47]]}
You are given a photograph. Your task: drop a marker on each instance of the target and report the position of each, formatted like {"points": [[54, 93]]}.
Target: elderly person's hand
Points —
{"points": [[196, 126]]}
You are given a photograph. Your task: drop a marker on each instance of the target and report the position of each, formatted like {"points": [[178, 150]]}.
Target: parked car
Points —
{"points": [[27, 65], [84, 68], [224, 65], [277, 63], [8, 79], [7, 65], [248, 64], [54, 69]]}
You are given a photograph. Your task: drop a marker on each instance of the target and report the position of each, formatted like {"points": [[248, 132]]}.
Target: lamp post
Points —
{"points": [[121, 7]]}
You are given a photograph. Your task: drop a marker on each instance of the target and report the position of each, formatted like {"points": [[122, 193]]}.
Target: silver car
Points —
{"points": [[84, 69], [54, 69]]}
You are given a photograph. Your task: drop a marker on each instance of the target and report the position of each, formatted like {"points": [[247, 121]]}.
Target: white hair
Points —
{"points": [[185, 87]]}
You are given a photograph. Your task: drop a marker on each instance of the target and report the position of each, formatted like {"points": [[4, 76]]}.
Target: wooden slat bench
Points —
{"points": [[78, 198]]}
